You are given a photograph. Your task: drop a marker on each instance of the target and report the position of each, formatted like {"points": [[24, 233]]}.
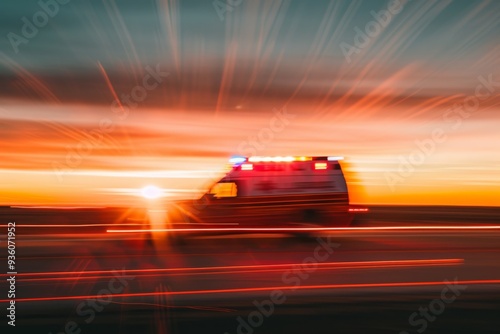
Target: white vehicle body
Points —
{"points": [[273, 191]]}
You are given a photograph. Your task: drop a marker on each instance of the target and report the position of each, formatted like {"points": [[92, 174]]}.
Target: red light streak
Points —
{"points": [[263, 289], [281, 265], [243, 269], [310, 229], [75, 225]]}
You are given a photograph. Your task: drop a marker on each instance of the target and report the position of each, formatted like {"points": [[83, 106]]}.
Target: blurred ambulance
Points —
{"points": [[282, 191]]}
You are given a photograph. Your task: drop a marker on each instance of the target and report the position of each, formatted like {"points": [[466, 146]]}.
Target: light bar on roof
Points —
{"points": [[278, 159], [237, 160], [282, 159]]}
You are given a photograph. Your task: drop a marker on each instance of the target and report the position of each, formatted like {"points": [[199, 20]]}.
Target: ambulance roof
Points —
{"points": [[237, 160]]}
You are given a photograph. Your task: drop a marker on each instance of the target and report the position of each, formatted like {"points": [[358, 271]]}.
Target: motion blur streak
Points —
{"points": [[257, 268], [76, 225], [393, 90], [264, 289], [311, 229]]}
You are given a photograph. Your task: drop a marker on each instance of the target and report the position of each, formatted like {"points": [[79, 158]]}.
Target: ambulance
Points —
{"points": [[278, 191]]}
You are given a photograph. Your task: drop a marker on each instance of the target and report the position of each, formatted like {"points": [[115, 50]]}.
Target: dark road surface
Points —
{"points": [[432, 276]]}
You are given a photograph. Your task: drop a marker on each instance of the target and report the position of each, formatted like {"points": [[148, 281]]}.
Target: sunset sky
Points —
{"points": [[104, 97]]}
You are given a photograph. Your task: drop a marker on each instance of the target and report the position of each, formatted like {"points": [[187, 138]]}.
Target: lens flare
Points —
{"points": [[151, 192]]}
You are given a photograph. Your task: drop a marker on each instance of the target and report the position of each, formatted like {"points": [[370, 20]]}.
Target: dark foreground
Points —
{"points": [[80, 279]]}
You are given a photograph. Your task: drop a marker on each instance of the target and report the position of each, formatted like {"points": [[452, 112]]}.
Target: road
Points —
{"points": [[372, 278]]}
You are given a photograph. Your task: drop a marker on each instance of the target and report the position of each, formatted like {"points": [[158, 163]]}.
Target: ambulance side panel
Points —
{"points": [[275, 194]]}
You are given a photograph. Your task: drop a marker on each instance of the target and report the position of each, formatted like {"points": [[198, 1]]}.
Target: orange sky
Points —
{"points": [[47, 158]]}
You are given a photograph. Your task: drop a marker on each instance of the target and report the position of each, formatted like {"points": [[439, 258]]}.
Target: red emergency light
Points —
{"points": [[247, 167], [320, 165]]}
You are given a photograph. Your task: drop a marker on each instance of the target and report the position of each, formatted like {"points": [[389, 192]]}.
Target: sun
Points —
{"points": [[151, 192]]}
